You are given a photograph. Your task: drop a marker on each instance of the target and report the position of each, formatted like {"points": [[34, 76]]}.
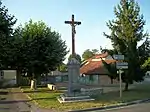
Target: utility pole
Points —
{"points": [[73, 24], [120, 81]]}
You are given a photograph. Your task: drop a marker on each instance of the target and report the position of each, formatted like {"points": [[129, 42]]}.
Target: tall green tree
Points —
{"points": [[144, 53], [7, 22], [42, 49], [87, 54], [95, 51], [111, 67], [146, 65], [126, 31], [62, 67]]}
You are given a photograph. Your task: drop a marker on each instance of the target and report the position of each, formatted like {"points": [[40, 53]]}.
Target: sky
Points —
{"points": [[93, 15]]}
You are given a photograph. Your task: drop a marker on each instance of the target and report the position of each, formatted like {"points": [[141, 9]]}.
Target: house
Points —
{"points": [[94, 72], [8, 77], [55, 77], [60, 76]]}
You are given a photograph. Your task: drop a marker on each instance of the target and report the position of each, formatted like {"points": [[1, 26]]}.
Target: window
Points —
{"points": [[91, 78], [2, 74]]}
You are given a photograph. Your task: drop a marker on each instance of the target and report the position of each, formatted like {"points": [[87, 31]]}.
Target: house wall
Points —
{"points": [[105, 80], [96, 80], [58, 77], [55, 79], [88, 79], [1, 75], [9, 74], [9, 77], [55, 73], [61, 78]]}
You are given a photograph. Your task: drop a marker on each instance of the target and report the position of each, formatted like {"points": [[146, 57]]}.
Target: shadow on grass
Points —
{"points": [[18, 101], [9, 87], [44, 98], [41, 90], [37, 91], [16, 92], [3, 92], [4, 109], [2, 98], [137, 93]]}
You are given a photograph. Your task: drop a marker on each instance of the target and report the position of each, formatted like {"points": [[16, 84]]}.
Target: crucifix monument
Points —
{"points": [[73, 73], [73, 25], [73, 64]]}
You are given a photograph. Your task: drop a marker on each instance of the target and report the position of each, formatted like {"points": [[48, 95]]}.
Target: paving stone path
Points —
{"points": [[16, 101]]}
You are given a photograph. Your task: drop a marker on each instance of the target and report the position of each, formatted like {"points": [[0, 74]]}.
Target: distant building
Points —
{"points": [[93, 70], [148, 73], [8, 76]]}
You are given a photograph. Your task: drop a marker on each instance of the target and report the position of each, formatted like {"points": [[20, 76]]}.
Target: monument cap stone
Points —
{"points": [[73, 61]]}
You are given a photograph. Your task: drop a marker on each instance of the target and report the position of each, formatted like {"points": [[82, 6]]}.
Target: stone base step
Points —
{"points": [[64, 99], [61, 101]]}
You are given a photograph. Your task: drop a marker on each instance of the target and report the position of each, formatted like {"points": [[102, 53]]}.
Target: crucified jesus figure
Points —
{"points": [[73, 24]]}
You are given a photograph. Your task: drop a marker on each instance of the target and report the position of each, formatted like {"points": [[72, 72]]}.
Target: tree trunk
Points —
{"points": [[46, 77], [111, 81], [38, 78], [29, 81], [18, 77], [126, 86]]}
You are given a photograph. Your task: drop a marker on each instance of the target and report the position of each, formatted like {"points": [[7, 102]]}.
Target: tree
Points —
{"points": [[62, 67], [87, 54], [6, 21], [126, 32], [111, 67], [144, 53], [146, 65], [43, 49], [95, 51], [6, 35], [77, 56]]}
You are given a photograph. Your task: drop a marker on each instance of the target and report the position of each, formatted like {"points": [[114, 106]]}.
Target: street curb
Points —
{"points": [[113, 106]]}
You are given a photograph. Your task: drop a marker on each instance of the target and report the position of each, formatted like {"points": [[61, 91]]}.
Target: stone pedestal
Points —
{"points": [[74, 90], [73, 74], [69, 99]]}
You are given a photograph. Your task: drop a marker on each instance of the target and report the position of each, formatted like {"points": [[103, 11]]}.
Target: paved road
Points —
{"points": [[144, 107], [8, 103], [15, 101]]}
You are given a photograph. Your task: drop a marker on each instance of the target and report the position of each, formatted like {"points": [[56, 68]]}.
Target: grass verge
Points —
{"points": [[47, 99], [3, 93]]}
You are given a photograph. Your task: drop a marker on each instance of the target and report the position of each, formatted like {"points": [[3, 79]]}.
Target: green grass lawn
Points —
{"points": [[3, 93], [47, 99], [3, 97]]}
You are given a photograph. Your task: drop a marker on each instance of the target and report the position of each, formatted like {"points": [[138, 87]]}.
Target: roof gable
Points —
{"points": [[95, 65]]}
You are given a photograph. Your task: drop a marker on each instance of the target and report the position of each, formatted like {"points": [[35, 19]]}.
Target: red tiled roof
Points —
{"points": [[97, 56], [92, 67], [95, 67]]}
